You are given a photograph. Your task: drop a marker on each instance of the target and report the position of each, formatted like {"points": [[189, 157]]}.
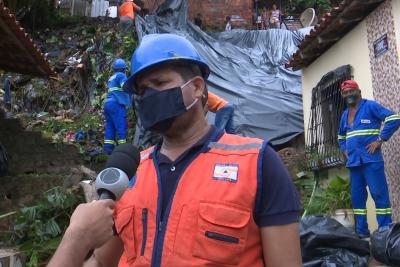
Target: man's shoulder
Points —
{"points": [[237, 139]]}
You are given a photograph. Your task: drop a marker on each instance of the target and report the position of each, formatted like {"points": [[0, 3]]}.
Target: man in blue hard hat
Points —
{"points": [[115, 108], [201, 197]]}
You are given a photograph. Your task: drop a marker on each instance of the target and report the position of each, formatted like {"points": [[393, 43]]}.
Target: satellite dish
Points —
{"points": [[308, 18]]}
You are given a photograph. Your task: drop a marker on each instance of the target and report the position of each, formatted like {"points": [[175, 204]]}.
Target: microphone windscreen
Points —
{"points": [[125, 157]]}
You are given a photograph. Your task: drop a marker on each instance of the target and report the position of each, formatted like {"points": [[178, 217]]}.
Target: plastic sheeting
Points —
{"points": [[327, 243], [385, 245], [247, 69]]}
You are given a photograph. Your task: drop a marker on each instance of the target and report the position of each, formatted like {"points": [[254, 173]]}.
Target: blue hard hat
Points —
{"points": [[119, 64], [156, 49]]}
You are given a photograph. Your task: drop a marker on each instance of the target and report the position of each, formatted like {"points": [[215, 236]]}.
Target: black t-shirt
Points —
{"points": [[279, 202]]}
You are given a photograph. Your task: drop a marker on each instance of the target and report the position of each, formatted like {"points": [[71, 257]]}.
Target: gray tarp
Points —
{"points": [[247, 69]]}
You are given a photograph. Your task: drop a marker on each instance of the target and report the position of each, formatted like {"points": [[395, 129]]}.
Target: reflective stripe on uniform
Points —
{"points": [[235, 147], [392, 118], [360, 211], [384, 211], [111, 142], [121, 141], [341, 137], [363, 132], [112, 89]]}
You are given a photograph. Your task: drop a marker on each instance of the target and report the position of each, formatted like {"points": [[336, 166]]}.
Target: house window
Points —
{"points": [[327, 106]]}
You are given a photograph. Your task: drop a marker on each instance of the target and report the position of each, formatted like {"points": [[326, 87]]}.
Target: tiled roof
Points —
{"points": [[331, 28], [18, 53]]}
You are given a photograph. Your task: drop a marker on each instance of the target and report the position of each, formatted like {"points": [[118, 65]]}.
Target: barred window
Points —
{"points": [[327, 106]]}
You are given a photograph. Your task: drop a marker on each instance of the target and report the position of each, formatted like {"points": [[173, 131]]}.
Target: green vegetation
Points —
{"points": [[335, 196], [37, 230]]}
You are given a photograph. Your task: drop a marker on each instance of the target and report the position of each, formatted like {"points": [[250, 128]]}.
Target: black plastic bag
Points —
{"points": [[327, 243], [385, 245]]}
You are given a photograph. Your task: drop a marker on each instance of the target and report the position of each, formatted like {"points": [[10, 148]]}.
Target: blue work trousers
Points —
{"points": [[116, 125], [224, 119], [373, 175]]}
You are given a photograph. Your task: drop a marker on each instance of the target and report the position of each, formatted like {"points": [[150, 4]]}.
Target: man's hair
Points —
{"points": [[187, 71]]}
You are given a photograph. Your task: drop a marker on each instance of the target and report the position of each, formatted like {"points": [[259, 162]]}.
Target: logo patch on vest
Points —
{"points": [[226, 172], [365, 121]]}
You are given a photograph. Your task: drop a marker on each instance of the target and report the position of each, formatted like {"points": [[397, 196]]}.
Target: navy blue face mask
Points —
{"points": [[158, 109], [351, 100]]}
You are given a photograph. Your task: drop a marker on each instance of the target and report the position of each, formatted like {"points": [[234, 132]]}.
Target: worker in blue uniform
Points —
{"points": [[115, 108], [360, 138]]}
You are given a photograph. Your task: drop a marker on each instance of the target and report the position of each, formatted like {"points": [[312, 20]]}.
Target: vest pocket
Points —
{"points": [[124, 226], [222, 233]]}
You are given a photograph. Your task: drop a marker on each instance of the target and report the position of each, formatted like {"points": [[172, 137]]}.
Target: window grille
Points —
{"points": [[327, 106]]}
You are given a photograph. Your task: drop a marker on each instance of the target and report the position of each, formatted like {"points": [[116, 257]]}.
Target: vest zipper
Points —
{"points": [[161, 227], [144, 224]]}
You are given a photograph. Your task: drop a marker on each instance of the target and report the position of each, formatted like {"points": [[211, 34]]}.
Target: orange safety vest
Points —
{"points": [[210, 221], [127, 9]]}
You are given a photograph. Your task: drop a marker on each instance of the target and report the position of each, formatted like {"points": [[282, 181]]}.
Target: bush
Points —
{"points": [[335, 196], [38, 230]]}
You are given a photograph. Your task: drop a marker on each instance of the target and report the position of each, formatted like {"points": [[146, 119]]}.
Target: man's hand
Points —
{"points": [[374, 146], [91, 226], [92, 223]]}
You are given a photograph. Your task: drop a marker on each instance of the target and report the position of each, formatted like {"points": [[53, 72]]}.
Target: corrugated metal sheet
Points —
{"points": [[18, 53], [331, 28]]}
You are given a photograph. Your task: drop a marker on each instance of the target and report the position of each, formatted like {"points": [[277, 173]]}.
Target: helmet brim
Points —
{"points": [[130, 84]]}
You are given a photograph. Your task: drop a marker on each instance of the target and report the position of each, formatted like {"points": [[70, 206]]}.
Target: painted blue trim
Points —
{"points": [[159, 239], [259, 178], [132, 181]]}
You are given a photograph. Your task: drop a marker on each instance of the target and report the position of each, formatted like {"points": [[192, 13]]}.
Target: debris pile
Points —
{"points": [[69, 107]]}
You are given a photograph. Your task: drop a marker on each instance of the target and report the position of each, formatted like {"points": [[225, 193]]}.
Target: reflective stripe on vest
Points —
{"points": [[208, 221], [235, 147], [392, 118], [387, 211], [113, 89], [360, 211], [110, 142], [363, 132]]}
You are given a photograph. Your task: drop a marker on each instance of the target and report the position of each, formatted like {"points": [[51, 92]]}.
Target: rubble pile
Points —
{"points": [[69, 107]]}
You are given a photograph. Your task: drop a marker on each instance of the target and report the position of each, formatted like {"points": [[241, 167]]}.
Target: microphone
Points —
{"points": [[112, 182], [121, 166]]}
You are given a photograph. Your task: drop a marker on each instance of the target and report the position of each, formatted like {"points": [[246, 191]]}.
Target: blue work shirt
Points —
{"points": [[366, 129], [115, 91]]}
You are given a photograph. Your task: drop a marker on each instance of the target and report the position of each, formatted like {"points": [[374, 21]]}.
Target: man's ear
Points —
{"points": [[199, 85]]}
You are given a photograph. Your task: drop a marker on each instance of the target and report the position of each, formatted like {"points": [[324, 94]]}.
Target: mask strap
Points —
{"points": [[193, 103], [186, 83]]}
